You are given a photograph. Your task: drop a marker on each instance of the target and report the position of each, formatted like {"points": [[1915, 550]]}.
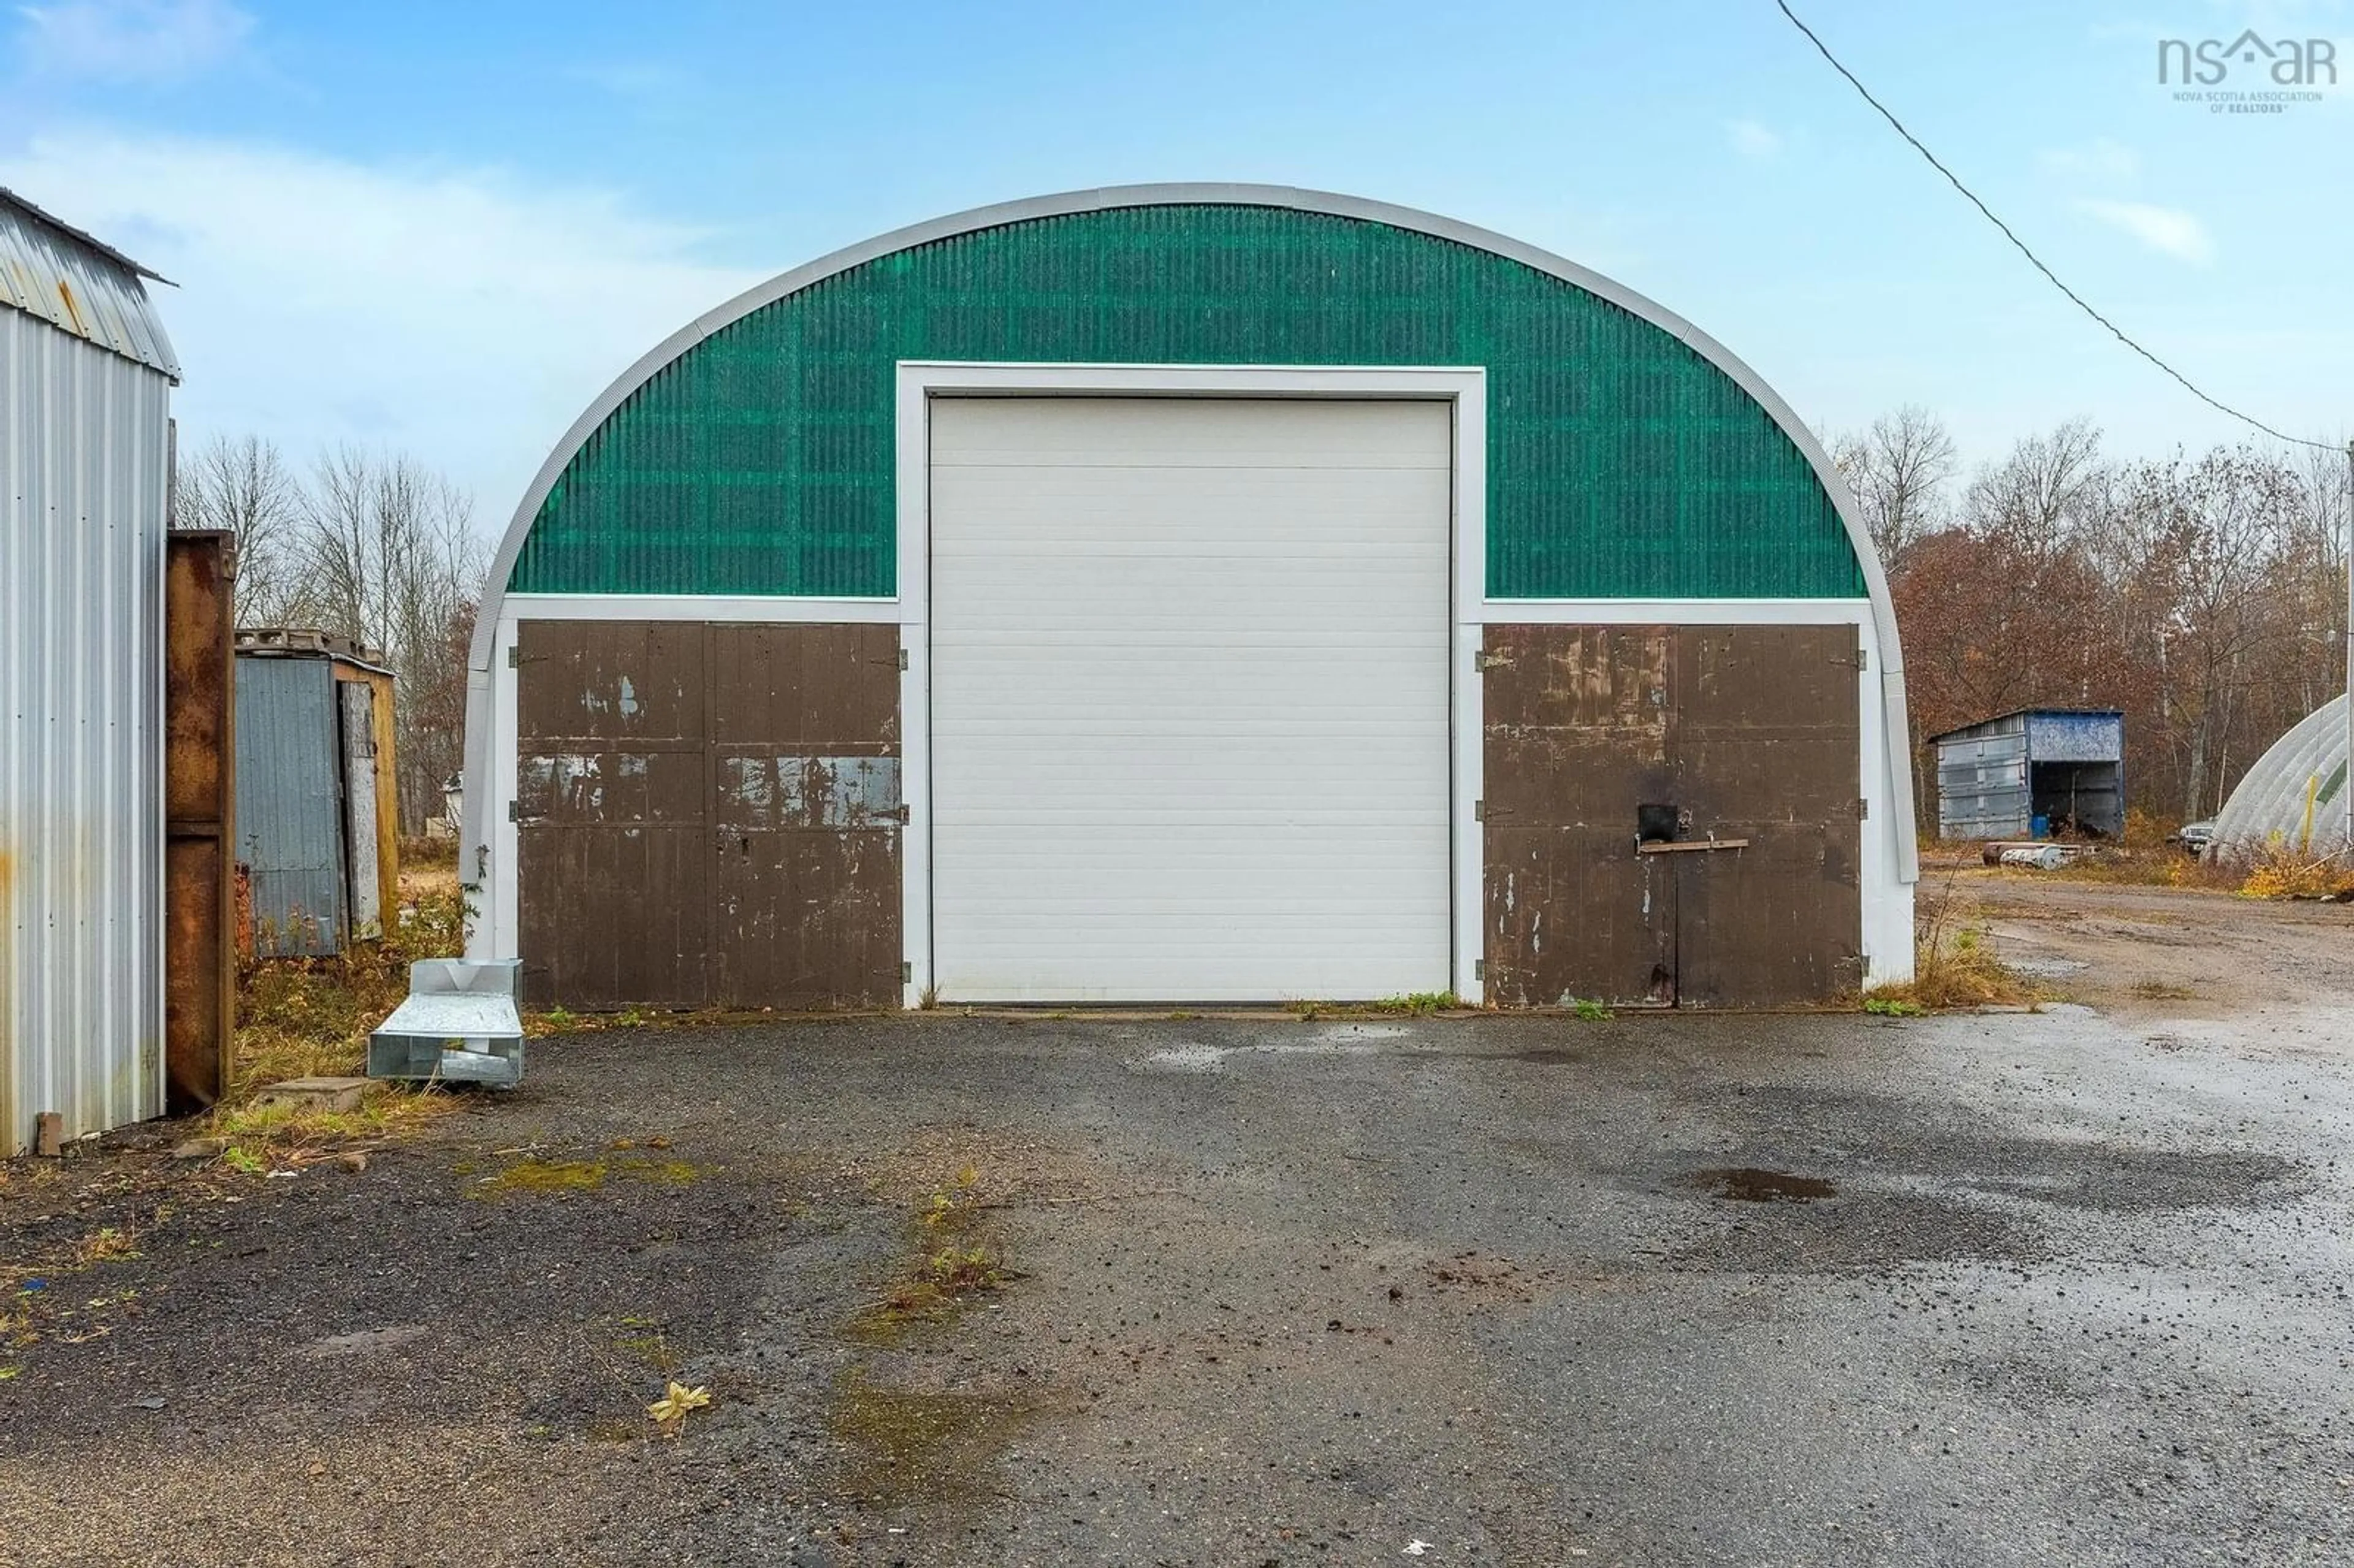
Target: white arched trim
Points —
{"points": [[479, 800]]}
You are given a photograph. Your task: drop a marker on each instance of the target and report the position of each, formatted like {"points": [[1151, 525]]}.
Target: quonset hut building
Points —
{"points": [[1193, 593], [2294, 797]]}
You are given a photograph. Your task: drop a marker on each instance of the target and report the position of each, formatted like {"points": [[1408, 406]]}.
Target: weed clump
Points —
{"points": [[1419, 1004], [1954, 965], [2278, 871], [957, 1256]]}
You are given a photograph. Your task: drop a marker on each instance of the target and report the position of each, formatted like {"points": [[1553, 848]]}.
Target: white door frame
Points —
{"points": [[1465, 389]]}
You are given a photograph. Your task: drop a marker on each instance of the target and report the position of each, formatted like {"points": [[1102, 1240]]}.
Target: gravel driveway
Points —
{"points": [[2008, 1289]]}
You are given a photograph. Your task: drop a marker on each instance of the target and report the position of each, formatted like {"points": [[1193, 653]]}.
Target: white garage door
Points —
{"points": [[1189, 699]]}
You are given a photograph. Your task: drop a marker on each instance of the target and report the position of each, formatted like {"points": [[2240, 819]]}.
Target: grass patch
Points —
{"points": [[558, 1178], [258, 1138], [1420, 1004], [2163, 990], [298, 1017], [310, 1017], [1955, 964], [957, 1256]]}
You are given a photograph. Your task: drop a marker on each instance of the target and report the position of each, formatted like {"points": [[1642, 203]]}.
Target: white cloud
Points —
{"points": [[1752, 140], [133, 40], [2167, 230], [2100, 159], [458, 314]]}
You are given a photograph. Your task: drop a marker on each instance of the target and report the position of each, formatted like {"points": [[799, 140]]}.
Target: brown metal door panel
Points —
{"points": [[1576, 717], [665, 783], [610, 680], [1767, 749], [805, 803], [613, 801], [1579, 733], [1575, 914], [710, 813], [615, 915], [809, 919], [810, 688]]}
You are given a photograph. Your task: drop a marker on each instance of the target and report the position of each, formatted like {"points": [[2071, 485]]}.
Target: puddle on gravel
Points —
{"points": [[1336, 1040], [1746, 1185]]}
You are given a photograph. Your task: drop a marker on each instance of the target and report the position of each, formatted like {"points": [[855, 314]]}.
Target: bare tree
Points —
{"points": [[2036, 491], [395, 564], [1899, 469], [244, 486]]}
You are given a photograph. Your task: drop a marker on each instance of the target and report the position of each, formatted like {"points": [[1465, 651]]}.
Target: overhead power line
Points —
{"points": [[2037, 261]]}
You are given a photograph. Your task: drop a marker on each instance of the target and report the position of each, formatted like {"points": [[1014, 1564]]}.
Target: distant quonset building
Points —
{"points": [[1191, 593], [86, 379], [2295, 795], [2032, 773]]}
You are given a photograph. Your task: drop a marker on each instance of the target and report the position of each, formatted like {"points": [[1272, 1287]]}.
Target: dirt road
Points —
{"points": [[2187, 956]]}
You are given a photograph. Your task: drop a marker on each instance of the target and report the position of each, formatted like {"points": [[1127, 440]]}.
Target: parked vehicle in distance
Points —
{"points": [[2194, 837]]}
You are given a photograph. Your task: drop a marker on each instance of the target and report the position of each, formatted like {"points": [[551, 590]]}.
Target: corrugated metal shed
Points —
{"points": [[53, 270], [2000, 778], [317, 818], [289, 826], [2271, 801], [85, 443]]}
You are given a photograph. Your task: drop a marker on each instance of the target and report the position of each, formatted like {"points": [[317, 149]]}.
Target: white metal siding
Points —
{"points": [[1189, 702], [84, 450]]}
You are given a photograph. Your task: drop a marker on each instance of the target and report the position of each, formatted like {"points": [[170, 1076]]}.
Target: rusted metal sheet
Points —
{"points": [[709, 814], [1578, 727], [1599, 739], [199, 811], [1767, 747]]}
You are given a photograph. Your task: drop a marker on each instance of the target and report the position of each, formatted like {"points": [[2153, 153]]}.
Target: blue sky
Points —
{"points": [[445, 228]]}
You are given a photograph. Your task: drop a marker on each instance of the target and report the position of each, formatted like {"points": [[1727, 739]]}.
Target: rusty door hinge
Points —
{"points": [[903, 658], [1863, 808], [514, 811], [906, 974], [1479, 811], [1479, 969], [514, 656], [897, 813]]}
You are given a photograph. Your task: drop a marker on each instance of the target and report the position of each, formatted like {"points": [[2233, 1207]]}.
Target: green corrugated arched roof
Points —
{"points": [[1624, 462]]}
